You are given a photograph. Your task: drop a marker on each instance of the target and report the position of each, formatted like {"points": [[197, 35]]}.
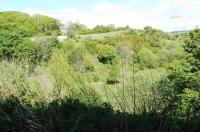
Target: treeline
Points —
{"points": [[80, 29], [27, 25], [15, 30]]}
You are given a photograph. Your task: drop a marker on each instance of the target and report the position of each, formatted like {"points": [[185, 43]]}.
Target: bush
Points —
{"points": [[75, 29], [113, 76], [89, 66], [76, 55], [109, 41], [27, 50], [14, 46], [107, 54], [91, 46], [165, 57], [188, 104], [95, 77], [8, 40], [47, 46], [68, 44], [147, 59], [103, 29]]}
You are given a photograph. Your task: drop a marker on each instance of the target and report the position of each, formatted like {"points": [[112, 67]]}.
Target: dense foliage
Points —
{"points": [[14, 46], [27, 25], [107, 54], [75, 29], [104, 79]]}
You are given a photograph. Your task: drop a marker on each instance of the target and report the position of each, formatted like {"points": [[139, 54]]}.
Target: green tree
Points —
{"points": [[183, 85], [147, 59], [76, 58], [47, 46], [14, 46], [109, 41], [74, 29], [104, 29], [8, 41], [189, 104], [113, 74], [47, 25], [91, 46], [18, 22], [27, 25], [107, 54], [27, 50]]}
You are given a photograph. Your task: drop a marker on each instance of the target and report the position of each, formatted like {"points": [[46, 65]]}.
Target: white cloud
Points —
{"points": [[187, 10], [9, 9], [32, 11], [159, 16]]}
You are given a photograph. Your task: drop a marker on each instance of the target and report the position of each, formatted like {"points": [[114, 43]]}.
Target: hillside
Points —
{"points": [[104, 79]]}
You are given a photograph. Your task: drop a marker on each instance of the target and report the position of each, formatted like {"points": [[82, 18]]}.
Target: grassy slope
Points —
{"points": [[122, 93], [101, 35]]}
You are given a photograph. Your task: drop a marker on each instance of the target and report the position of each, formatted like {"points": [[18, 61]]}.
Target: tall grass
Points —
{"points": [[33, 101], [58, 96]]}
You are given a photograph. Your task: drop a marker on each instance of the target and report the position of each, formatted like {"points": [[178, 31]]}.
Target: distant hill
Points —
{"points": [[179, 32]]}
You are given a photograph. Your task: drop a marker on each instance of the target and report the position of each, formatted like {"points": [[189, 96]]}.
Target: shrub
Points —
{"points": [[89, 66], [7, 42], [147, 59], [103, 29], [165, 56], [113, 74], [68, 44], [61, 72], [107, 54], [189, 104], [54, 42], [91, 46], [13, 46], [46, 47], [109, 41], [95, 77], [27, 50], [75, 29], [76, 55]]}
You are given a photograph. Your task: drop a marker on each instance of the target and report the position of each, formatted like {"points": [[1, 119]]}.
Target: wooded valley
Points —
{"points": [[101, 79]]}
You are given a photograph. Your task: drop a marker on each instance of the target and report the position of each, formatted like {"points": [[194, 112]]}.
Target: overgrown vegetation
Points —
{"points": [[125, 80]]}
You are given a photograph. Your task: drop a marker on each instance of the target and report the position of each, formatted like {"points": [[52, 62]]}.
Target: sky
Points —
{"points": [[167, 15]]}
